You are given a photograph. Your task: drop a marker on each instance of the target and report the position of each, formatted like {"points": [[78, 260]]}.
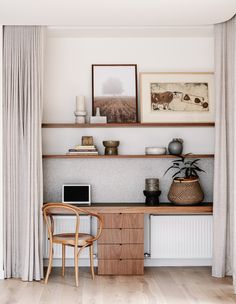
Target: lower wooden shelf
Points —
{"points": [[125, 156]]}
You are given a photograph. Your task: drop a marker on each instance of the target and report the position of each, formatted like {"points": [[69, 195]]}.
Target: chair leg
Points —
{"points": [[63, 259], [76, 258], [76, 266], [91, 260], [49, 263]]}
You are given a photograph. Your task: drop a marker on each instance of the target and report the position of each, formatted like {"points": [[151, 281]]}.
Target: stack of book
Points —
{"points": [[83, 150]]}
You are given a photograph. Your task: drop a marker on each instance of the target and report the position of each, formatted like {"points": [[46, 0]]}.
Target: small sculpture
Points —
{"points": [[111, 147]]}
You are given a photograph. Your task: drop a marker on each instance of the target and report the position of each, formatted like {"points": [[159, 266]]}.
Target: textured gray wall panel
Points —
{"points": [[115, 180]]}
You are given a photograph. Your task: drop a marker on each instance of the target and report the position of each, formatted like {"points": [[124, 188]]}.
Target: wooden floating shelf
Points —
{"points": [[162, 208], [128, 125], [126, 156]]}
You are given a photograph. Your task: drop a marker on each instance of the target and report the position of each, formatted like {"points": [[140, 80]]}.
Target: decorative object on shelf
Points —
{"points": [[87, 140], [98, 118], [152, 197], [80, 113], [98, 112], [87, 147], [152, 184], [185, 188], [114, 91], [175, 147], [155, 150], [177, 97], [111, 147]]}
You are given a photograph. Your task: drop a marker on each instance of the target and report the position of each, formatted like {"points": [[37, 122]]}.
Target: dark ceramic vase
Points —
{"points": [[152, 197], [175, 147]]}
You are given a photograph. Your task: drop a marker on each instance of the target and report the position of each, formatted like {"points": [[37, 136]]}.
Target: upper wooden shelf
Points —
{"points": [[126, 156], [128, 125]]}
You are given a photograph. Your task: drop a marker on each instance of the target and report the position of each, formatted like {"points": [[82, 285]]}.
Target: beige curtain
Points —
{"points": [[224, 254], [22, 151]]}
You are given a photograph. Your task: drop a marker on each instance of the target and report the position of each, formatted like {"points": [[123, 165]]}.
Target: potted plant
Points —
{"points": [[185, 188]]}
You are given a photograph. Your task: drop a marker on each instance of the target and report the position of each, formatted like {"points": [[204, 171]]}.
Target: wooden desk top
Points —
{"points": [[162, 208]]}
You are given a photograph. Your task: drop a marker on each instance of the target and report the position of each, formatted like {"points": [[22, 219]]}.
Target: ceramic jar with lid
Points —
{"points": [[175, 147]]}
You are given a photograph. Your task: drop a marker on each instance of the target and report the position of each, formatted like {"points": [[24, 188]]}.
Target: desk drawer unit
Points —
{"points": [[120, 247], [121, 236]]}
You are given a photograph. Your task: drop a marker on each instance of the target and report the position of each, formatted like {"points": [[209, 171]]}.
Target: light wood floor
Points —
{"points": [[157, 286]]}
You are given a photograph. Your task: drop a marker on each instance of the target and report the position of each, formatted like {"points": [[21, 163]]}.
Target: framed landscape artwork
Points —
{"points": [[177, 97], [114, 91]]}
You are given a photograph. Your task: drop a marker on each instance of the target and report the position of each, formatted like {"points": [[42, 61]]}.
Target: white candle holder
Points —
{"points": [[80, 117]]}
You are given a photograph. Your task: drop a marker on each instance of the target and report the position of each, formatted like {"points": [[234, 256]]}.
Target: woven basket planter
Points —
{"points": [[185, 192]]}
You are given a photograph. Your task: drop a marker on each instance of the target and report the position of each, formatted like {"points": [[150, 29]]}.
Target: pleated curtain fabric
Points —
{"points": [[224, 238], [23, 48]]}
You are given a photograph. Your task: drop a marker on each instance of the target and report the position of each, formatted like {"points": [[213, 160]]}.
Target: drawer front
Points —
{"points": [[120, 267], [112, 220], [123, 220], [121, 251], [135, 220], [121, 236], [110, 236], [132, 236]]}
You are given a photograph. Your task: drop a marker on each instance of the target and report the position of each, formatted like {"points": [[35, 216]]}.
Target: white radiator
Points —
{"points": [[67, 224], [181, 237]]}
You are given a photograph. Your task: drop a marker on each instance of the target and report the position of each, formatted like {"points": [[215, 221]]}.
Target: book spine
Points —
{"points": [[82, 150], [84, 147], [82, 153]]}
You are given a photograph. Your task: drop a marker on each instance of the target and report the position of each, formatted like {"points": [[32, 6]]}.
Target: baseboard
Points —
{"points": [[2, 277], [70, 262], [149, 262]]}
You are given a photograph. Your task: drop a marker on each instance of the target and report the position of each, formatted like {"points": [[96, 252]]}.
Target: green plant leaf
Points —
{"points": [[171, 167], [176, 164], [195, 161], [175, 175], [195, 173], [199, 170], [178, 160], [187, 172], [180, 171]]}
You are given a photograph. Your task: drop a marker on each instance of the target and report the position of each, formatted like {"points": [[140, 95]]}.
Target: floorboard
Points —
{"points": [[160, 285]]}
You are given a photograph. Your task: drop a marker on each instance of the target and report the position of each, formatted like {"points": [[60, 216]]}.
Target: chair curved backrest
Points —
{"points": [[54, 209]]}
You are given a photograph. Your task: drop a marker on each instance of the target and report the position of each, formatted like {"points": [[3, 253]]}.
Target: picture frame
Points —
{"points": [[114, 92], [177, 97]]}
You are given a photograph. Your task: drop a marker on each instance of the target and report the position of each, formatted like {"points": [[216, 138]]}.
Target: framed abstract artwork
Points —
{"points": [[177, 97], [114, 92]]}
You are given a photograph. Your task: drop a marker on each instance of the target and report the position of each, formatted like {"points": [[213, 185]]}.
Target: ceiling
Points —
{"points": [[115, 13]]}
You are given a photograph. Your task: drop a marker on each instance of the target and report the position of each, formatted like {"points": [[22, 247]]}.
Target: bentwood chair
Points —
{"points": [[76, 239]]}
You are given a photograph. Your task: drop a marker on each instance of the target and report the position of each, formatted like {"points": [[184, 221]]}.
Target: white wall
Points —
{"points": [[68, 73], [1, 173]]}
